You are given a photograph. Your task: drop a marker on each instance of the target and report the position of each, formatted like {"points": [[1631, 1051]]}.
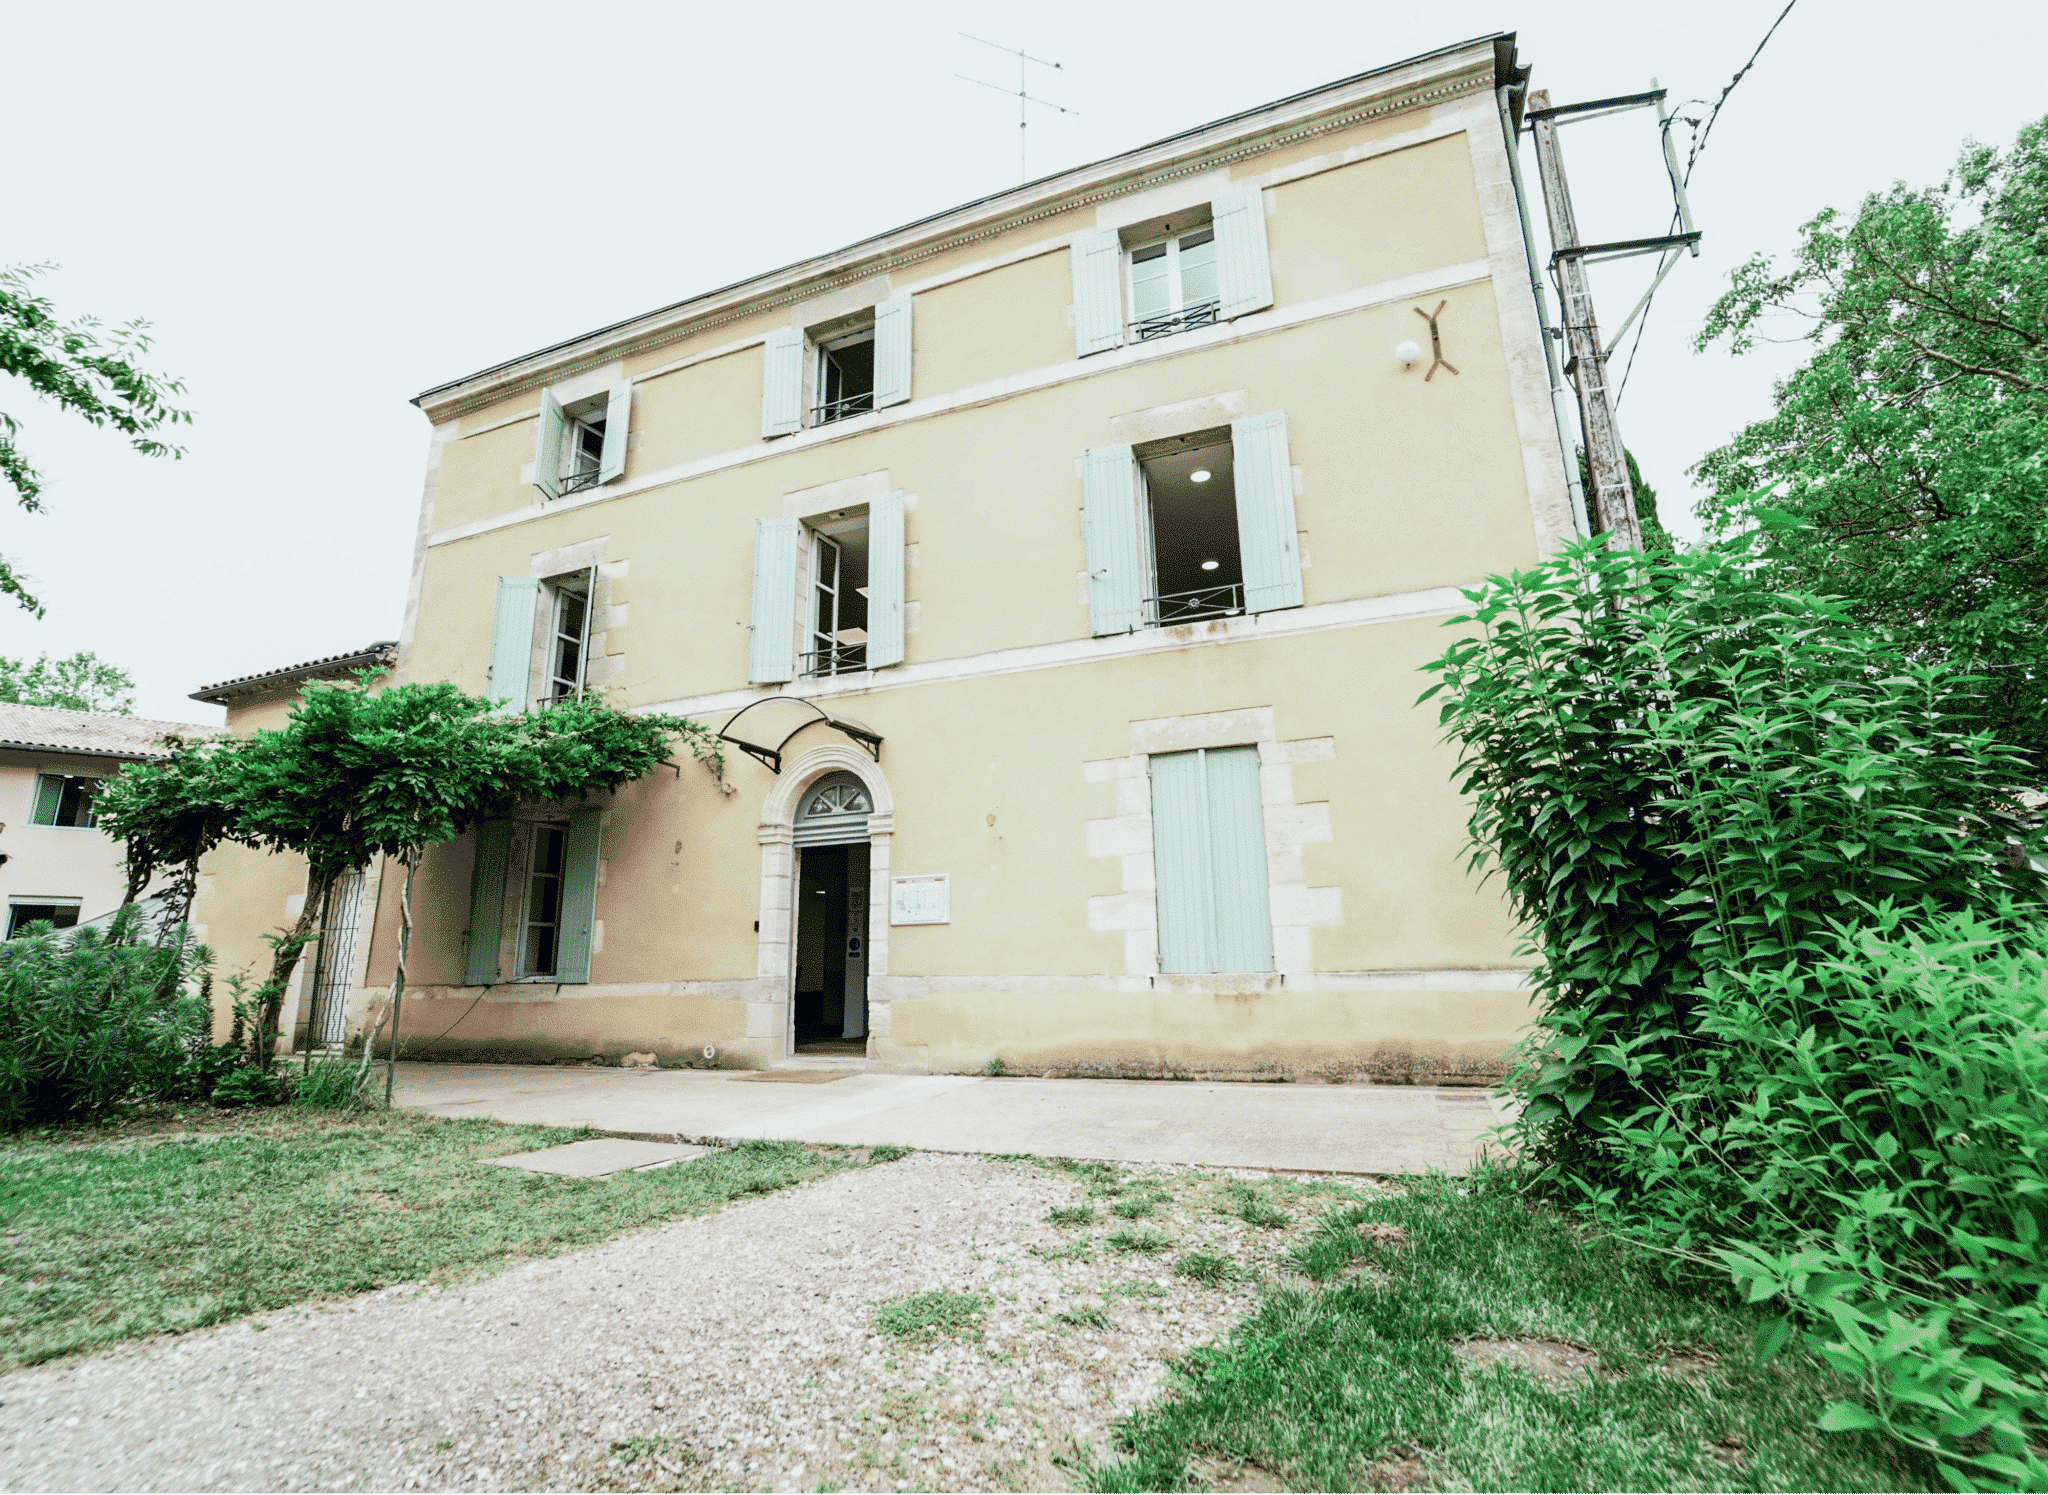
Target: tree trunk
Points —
{"points": [[396, 1000], [270, 1000]]}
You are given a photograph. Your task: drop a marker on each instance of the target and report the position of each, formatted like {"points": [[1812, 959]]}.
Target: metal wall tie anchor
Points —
{"points": [[1436, 342]]}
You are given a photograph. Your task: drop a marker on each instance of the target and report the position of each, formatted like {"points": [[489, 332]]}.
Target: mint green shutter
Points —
{"points": [[782, 383], [885, 581], [1244, 267], [1119, 541], [547, 446], [49, 794], [487, 901], [618, 424], [512, 642], [1209, 855], [1266, 539], [771, 650], [579, 897], [1097, 261], [892, 351]]}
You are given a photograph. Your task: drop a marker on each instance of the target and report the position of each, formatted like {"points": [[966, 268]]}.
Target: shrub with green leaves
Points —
{"points": [[91, 1018], [1789, 917]]}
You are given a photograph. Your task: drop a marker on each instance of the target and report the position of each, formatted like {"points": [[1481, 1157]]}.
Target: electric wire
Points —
{"points": [[1699, 144]]}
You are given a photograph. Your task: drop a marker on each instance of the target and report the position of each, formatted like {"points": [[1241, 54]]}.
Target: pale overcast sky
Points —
{"points": [[326, 209]]}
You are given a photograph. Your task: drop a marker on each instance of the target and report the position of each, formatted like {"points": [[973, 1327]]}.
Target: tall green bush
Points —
{"points": [[1788, 915], [90, 1019]]}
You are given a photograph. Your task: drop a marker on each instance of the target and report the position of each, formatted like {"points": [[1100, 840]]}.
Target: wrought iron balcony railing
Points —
{"points": [[840, 659], [1167, 323], [1204, 602], [577, 481], [841, 408]]}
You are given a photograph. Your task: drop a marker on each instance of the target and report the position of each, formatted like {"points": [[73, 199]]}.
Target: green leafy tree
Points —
{"points": [[84, 682], [1905, 467], [169, 814], [81, 366]]}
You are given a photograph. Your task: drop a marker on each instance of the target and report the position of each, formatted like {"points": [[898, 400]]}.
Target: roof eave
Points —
{"points": [[1041, 198], [217, 695], [129, 755]]}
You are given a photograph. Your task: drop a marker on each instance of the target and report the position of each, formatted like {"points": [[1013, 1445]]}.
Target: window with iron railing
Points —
{"points": [[1174, 285], [846, 377], [839, 605], [583, 462], [1226, 601]]}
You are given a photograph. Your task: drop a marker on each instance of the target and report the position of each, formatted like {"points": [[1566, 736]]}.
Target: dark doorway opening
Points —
{"points": [[831, 995]]}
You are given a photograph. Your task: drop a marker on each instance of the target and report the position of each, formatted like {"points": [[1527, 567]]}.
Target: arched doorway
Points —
{"points": [[829, 986]]}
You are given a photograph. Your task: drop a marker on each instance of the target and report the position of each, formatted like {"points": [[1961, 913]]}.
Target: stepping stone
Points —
{"points": [[600, 1156]]}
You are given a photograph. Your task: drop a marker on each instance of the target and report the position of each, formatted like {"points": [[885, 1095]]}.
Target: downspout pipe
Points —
{"points": [[1560, 398]]}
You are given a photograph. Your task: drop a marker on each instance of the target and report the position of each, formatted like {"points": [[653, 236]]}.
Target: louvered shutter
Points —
{"points": [[547, 446], [1119, 541], [512, 643], [885, 581], [771, 653], [618, 423], [579, 897], [487, 901], [1098, 266], [782, 383], [1265, 512], [892, 351], [1209, 856], [1244, 267]]}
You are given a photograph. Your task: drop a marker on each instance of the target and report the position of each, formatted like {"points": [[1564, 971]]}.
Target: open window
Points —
{"points": [[834, 370], [540, 638], [845, 376], [1190, 503], [838, 608], [568, 634], [540, 915], [581, 445], [1191, 527], [533, 896], [66, 800], [60, 913]]}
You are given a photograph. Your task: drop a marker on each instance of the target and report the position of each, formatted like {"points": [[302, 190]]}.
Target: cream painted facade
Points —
{"points": [[1022, 742]]}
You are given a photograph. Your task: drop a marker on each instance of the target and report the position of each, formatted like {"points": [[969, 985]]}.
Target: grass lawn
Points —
{"points": [[1495, 1348], [111, 1232]]}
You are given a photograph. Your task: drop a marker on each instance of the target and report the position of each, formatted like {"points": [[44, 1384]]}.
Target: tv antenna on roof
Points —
{"points": [[1022, 95]]}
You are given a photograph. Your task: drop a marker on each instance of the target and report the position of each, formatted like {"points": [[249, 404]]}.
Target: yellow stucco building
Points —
{"points": [[1059, 568]]}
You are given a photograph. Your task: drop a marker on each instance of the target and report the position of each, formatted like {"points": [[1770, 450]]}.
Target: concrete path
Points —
{"points": [[1321, 1128]]}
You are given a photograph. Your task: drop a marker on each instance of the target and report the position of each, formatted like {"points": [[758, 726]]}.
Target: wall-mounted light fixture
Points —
{"points": [[1407, 353]]}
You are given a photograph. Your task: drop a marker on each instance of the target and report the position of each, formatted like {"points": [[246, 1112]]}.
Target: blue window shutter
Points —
{"points": [[782, 383], [487, 902], [579, 897], [1237, 859], [771, 652], [892, 351], [1180, 852], [512, 643], [618, 423], [547, 446], [885, 581], [1119, 541], [1244, 267], [49, 794], [1098, 265], [1266, 539], [1209, 857]]}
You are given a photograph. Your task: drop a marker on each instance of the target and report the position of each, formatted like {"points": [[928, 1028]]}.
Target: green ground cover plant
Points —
{"points": [[934, 1315], [146, 1227], [1354, 1385]]}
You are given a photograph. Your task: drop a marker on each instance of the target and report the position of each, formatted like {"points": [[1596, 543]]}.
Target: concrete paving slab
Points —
{"points": [[1371, 1129], [599, 1157]]}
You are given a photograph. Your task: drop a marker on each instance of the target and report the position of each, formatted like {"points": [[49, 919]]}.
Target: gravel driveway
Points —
{"points": [[743, 1339]]}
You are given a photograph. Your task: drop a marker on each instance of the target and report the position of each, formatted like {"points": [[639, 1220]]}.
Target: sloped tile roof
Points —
{"points": [[96, 733], [384, 651]]}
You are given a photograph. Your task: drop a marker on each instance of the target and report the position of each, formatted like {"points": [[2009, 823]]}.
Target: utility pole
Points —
{"points": [[1024, 99], [1614, 501]]}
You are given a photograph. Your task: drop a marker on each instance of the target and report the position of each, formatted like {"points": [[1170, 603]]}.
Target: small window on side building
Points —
{"points": [[59, 913], [66, 800]]}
